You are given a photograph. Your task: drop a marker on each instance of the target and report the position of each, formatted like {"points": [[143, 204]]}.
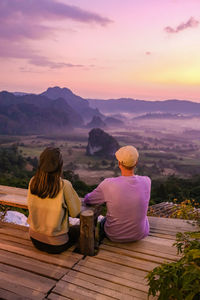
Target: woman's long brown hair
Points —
{"points": [[45, 184]]}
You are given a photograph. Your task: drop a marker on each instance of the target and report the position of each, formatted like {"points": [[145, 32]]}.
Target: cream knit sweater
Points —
{"points": [[48, 218]]}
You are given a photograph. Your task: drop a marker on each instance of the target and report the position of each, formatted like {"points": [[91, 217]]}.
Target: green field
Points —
{"points": [[162, 153]]}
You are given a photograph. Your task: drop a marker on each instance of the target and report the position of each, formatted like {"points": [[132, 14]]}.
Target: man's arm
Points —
{"points": [[95, 197]]}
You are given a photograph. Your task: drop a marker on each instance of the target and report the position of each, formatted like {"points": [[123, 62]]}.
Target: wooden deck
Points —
{"points": [[116, 272]]}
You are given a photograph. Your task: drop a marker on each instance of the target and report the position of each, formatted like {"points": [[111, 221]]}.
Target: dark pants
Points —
{"points": [[102, 233], [74, 233]]}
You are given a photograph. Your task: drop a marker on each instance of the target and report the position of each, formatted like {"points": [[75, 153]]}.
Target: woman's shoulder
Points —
{"points": [[30, 181], [66, 183]]}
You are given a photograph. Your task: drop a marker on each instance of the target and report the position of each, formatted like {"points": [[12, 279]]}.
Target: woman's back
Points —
{"points": [[50, 201]]}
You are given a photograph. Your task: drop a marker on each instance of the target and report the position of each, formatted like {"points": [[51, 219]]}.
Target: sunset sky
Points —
{"points": [[143, 49]]}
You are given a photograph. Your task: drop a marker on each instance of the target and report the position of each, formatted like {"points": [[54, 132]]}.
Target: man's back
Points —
{"points": [[127, 199]]}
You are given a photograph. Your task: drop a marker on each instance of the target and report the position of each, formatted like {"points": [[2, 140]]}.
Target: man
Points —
{"points": [[126, 197]]}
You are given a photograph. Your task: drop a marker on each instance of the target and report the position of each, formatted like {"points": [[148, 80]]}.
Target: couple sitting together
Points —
{"points": [[51, 200]]}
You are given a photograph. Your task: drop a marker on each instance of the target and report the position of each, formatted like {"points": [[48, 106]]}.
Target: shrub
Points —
{"points": [[186, 210], [179, 280]]}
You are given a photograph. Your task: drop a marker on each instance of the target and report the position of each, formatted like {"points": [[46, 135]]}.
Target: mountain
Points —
{"points": [[128, 105], [113, 122], [79, 104], [60, 109], [32, 114], [101, 144], [96, 122]]}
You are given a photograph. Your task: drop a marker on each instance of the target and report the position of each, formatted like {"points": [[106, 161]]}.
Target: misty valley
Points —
{"points": [[167, 135]]}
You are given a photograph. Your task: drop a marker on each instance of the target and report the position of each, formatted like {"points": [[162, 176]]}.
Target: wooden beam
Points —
{"points": [[13, 204]]}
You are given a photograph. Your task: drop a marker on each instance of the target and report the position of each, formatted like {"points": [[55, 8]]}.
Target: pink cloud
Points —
{"points": [[148, 53], [16, 50], [32, 12], [14, 30], [23, 20], [43, 61], [191, 23]]}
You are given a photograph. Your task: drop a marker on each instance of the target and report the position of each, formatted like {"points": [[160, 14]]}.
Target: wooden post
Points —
{"points": [[87, 232]]}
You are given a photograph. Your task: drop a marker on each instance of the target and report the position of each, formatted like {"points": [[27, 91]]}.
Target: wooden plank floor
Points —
{"points": [[117, 272], [25, 272]]}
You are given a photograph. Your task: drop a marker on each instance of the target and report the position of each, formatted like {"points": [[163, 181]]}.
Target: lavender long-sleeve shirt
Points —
{"points": [[127, 199]]}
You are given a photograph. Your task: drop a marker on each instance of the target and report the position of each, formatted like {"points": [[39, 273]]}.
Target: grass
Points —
{"points": [[31, 151]]}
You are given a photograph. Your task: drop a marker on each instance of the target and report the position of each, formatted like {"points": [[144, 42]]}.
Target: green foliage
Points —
{"points": [[13, 167], [10, 160], [175, 187], [187, 241], [179, 280], [186, 210]]}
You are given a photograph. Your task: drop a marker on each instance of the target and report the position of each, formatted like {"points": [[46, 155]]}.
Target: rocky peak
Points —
{"points": [[96, 122], [101, 144], [55, 92]]}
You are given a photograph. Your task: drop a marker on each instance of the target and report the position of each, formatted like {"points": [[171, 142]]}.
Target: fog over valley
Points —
{"points": [[167, 133]]}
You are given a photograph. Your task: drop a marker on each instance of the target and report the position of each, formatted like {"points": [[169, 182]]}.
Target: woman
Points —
{"points": [[50, 200]]}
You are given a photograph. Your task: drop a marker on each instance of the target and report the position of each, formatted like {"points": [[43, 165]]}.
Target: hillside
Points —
{"points": [[59, 109], [80, 105], [31, 114]]}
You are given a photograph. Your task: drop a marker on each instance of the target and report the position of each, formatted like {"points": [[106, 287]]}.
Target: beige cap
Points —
{"points": [[127, 156]]}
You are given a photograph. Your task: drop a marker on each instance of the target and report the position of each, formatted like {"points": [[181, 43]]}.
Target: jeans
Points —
{"points": [[102, 233], [74, 233]]}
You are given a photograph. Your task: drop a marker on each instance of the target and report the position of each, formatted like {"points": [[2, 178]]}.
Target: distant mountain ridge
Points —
{"points": [[129, 105], [59, 109], [168, 116]]}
